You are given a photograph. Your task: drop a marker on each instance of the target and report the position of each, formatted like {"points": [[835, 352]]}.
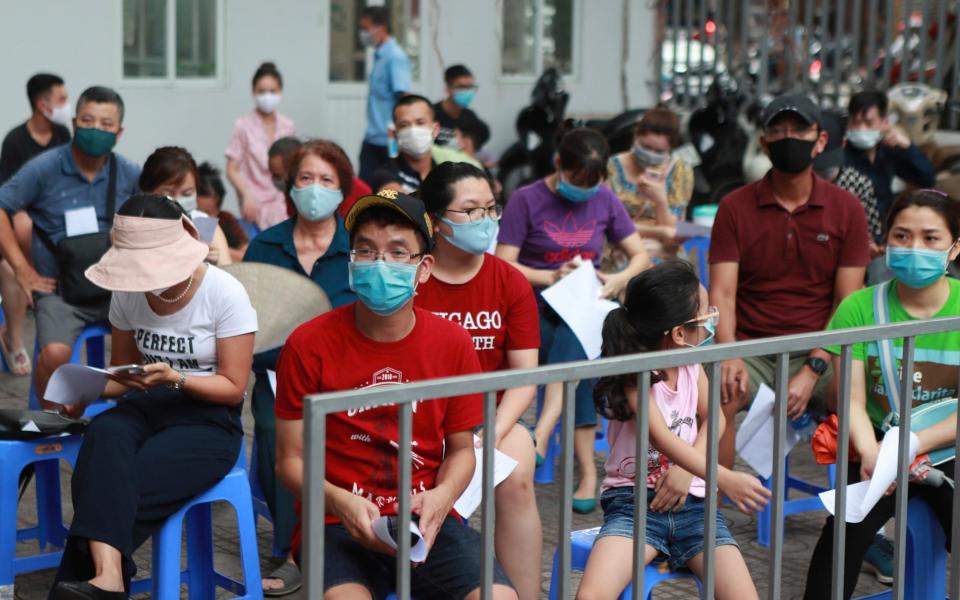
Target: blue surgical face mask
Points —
{"points": [[575, 193], [383, 287], [474, 238], [917, 267], [315, 202], [710, 324], [463, 98]]}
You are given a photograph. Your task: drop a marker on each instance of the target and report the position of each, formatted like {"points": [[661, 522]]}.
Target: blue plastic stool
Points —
{"points": [[260, 507], [4, 367], [92, 337], [790, 507], [581, 543], [926, 571], [201, 575], [701, 245], [45, 454]]}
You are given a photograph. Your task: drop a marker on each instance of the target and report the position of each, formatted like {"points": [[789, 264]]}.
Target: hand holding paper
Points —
{"points": [[385, 528], [863, 496], [470, 499], [755, 436], [577, 299], [75, 384]]}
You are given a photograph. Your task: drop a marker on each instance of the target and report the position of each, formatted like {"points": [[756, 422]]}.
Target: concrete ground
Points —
{"points": [[801, 530]]}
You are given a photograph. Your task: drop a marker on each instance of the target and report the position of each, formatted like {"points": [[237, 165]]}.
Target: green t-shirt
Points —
{"points": [[935, 359]]}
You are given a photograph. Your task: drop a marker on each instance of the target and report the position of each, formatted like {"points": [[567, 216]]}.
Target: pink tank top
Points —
{"points": [[679, 410]]}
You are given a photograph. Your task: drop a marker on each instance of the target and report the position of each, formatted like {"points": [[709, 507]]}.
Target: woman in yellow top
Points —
{"points": [[654, 186]]}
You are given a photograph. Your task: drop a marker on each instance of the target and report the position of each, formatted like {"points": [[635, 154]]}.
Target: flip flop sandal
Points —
{"points": [[289, 574], [18, 361]]}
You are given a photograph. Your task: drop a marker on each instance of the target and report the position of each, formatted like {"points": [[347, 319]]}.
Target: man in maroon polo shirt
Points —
{"points": [[784, 252]]}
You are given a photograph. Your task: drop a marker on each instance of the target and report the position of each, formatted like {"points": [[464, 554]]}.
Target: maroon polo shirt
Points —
{"points": [[788, 261]]}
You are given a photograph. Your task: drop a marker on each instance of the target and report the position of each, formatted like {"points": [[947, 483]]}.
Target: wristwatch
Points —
{"points": [[178, 386], [817, 365]]}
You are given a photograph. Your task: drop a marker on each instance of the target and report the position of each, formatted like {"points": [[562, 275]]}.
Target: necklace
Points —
{"points": [[180, 296]]}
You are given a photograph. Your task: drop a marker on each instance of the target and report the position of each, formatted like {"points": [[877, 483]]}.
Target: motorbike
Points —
{"points": [[531, 156]]}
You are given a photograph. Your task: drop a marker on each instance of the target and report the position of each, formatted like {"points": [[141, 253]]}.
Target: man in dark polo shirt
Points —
{"points": [[784, 252]]}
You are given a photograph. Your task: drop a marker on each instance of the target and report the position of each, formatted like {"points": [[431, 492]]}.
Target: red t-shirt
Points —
{"points": [[788, 261], [329, 353], [497, 307]]}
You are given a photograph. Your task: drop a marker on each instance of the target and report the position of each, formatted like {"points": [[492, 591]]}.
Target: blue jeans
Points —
{"points": [[558, 344]]}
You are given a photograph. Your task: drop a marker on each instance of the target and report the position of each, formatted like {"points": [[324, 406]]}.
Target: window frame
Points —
{"points": [[576, 39], [171, 80]]}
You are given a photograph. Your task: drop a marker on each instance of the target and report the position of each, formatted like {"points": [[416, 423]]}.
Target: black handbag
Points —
{"points": [[76, 254]]}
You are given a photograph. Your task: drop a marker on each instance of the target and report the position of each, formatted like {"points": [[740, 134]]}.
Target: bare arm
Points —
{"points": [[538, 278], [516, 401], [862, 437], [28, 279], [245, 199], [639, 261], [723, 295], [290, 457], [455, 473]]}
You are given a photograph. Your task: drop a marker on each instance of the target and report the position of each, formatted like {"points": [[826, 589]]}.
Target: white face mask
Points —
{"points": [[366, 38], [61, 115], [267, 102], [864, 139], [415, 141], [188, 203]]}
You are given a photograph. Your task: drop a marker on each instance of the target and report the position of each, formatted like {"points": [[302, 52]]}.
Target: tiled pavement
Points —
{"points": [[801, 531]]}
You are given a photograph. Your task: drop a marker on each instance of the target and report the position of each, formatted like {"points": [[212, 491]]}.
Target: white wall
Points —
{"points": [[81, 42]]}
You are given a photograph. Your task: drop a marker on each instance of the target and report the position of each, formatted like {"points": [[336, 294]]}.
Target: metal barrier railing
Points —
{"points": [[318, 406]]}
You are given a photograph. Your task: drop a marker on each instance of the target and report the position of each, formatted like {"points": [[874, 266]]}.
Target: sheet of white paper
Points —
{"points": [[576, 298], [755, 435], [863, 496], [30, 426], [75, 384], [418, 552], [206, 227], [272, 378], [690, 230], [469, 501], [81, 221]]}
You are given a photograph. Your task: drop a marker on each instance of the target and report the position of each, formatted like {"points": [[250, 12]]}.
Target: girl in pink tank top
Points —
{"points": [[665, 309]]}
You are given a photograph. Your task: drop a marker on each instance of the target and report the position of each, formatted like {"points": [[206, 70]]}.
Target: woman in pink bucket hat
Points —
{"points": [[188, 328]]}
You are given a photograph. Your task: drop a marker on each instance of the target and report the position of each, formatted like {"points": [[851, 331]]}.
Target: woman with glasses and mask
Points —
{"points": [[494, 303], [314, 244], [923, 239], [653, 185], [548, 229]]}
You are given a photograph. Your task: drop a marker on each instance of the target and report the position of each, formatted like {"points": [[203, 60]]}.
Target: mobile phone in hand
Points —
{"points": [[128, 370]]}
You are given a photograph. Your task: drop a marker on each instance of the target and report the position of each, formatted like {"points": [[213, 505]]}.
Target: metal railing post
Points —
{"points": [[314, 515], [488, 507], [779, 474], [903, 468], [713, 453], [641, 420], [955, 534], [843, 466], [404, 486], [566, 485]]}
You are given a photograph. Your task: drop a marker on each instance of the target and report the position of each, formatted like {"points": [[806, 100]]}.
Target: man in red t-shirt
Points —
{"points": [[784, 252], [384, 340]]}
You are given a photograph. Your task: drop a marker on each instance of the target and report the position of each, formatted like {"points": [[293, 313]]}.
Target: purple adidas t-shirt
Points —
{"points": [[550, 230]]}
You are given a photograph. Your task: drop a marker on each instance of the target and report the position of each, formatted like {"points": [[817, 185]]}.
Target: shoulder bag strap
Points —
{"points": [[888, 365], [112, 189]]}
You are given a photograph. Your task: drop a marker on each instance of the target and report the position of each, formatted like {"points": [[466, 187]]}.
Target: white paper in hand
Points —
{"points": [[272, 378], [471, 497], [75, 384], [863, 496], [418, 551], [576, 298], [206, 228], [755, 436]]}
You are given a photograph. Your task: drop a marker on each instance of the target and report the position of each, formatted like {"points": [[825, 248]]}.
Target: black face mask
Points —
{"points": [[791, 155]]}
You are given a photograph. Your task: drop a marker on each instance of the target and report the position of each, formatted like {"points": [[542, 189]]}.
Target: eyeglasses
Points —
{"points": [[712, 316], [397, 255], [477, 214], [782, 132], [933, 191]]}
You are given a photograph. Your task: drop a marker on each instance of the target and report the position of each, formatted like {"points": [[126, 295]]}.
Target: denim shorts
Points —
{"points": [[676, 535], [452, 569]]}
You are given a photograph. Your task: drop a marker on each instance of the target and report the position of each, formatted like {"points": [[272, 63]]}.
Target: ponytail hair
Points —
{"points": [[656, 301]]}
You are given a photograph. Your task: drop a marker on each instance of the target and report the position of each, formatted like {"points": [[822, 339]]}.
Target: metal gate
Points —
{"points": [[830, 48]]}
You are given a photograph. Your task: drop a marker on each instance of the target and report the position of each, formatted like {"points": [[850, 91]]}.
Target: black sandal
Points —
{"points": [[83, 590]]}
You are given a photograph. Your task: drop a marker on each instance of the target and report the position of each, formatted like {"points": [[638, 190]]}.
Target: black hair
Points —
{"points": [[209, 183], [936, 201], [455, 72], [267, 69], [40, 85], [436, 191], [476, 130], [101, 95], [657, 300], [151, 206], [285, 146], [378, 15], [583, 150], [383, 216], [863, 101], [413, 99]]}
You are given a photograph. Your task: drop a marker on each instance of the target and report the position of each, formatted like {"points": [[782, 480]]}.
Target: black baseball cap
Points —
{"points": [[411, 208], [800, 104]]}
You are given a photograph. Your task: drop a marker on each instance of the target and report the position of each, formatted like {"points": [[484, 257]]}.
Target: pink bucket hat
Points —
{"points": [[148, 254]]}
